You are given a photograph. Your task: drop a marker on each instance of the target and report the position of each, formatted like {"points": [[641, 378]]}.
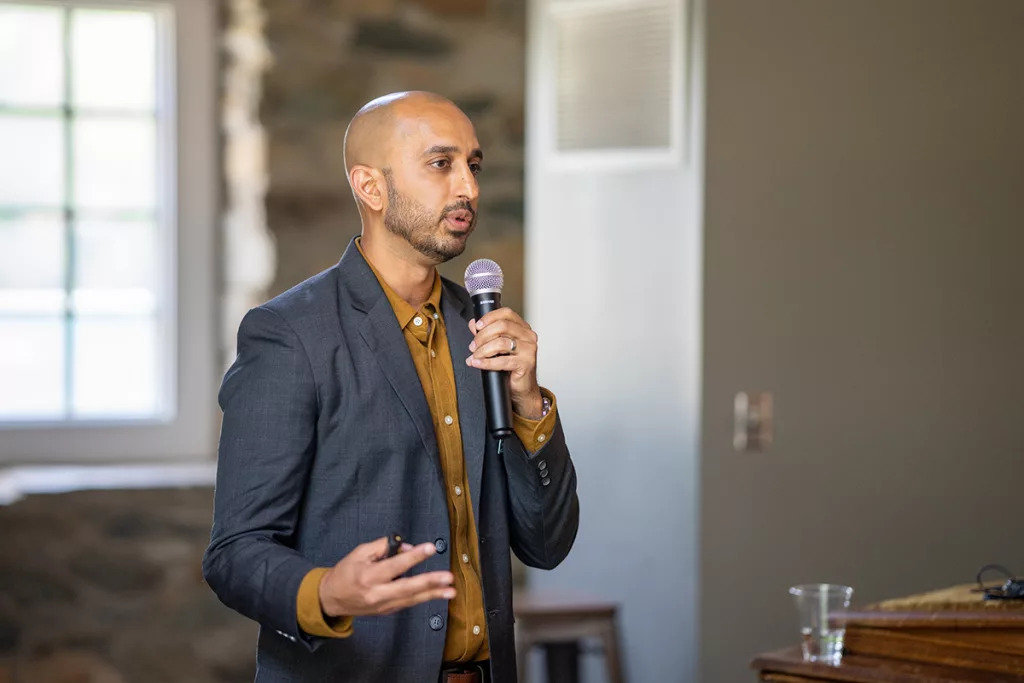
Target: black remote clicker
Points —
{"points": [[394, 543]]}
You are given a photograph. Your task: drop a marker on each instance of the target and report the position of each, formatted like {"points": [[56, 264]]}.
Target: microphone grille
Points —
{"points": [[484, 275]]}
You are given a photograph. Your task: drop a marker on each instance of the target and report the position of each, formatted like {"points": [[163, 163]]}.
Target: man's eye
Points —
{"points": [[442, 163], [475, 167]]}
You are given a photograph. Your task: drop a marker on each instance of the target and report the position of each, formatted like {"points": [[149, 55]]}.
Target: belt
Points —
{"points": [[473, 672]]}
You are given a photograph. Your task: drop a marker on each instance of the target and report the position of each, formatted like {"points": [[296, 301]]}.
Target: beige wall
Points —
{"points": [[864, 215]]}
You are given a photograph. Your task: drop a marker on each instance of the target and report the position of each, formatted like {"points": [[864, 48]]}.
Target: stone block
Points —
{"points": [[10, 634], [514, 124], [71, 667], [228, 652], [504, 207], [311, 94], [455, 8], [33, 586], [140, 524], [398, 39], [361, 8], [475, 105], [115, 570], [492, 59], [300, 209]]}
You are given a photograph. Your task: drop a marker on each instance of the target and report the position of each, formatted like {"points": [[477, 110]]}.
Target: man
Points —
{"points": [[355, 409]]}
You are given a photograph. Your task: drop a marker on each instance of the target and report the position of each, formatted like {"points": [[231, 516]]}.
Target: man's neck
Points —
{"points": [[398, 265]]}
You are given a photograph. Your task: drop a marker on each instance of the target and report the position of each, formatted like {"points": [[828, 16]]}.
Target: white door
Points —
{"points": [[613, 273]]}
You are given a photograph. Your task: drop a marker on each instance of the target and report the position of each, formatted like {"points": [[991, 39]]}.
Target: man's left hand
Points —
{"points": [[504, 341]]}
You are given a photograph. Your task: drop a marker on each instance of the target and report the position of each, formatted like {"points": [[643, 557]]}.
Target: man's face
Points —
{"points": [[432, 188]]}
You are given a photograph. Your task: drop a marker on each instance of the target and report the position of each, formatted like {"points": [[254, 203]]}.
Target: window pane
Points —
{"points": [[116, 254], [114, 57], [31, 56], [115, 163], [31, 161], [115, 368], [31, 368], [31, 253], [116, 302], [32, 301]]}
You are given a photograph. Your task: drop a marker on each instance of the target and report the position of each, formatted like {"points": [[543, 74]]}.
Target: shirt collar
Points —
{"points": [[404, 312]]}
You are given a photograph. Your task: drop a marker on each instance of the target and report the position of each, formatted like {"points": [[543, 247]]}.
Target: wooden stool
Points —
{"points": [[558, 623]]}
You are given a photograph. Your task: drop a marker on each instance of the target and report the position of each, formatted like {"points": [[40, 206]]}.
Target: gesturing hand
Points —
{"points": [[362, 584], [504, 341]]}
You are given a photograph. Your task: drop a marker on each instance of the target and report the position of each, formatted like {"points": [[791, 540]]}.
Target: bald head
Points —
{"points": [[412, 159], [371, 134]]}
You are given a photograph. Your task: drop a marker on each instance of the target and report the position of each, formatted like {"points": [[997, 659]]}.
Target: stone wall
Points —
{"points": [[106, 587], [302, 68], [329, 57]]}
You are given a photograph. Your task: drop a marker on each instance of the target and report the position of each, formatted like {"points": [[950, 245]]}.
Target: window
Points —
{"points": [[607, 107], [96, 314]]}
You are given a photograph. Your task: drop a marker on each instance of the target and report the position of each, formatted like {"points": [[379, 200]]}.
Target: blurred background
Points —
{"points": [[815, 205]]}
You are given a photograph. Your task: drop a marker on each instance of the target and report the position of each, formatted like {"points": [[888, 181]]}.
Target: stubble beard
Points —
{"points": [[425, 232]]}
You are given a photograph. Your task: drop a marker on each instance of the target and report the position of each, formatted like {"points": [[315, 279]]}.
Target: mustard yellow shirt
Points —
{"points": [[425, 333]]}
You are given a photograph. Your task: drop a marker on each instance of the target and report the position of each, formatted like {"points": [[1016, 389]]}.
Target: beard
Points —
{"points": [[422, 229]]}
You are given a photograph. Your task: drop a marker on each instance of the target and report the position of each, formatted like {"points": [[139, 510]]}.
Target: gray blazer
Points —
{"points": [[327, 442]]}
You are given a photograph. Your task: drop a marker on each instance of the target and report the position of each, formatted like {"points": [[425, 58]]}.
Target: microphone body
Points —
{"points": [[484, 282], [496, 395]]}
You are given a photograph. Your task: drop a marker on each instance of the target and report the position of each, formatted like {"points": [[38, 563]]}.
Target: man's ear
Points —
{"points": [[368, 186]]}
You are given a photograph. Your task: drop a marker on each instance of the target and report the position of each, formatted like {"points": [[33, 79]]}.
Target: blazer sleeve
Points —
{"points": [[267, 442], [544, 507]]}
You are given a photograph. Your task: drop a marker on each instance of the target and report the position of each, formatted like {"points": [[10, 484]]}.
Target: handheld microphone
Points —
{"points": [[484, 281]]}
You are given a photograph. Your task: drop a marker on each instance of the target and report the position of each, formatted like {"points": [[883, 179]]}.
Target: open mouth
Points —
{"points": [[460, 220]]}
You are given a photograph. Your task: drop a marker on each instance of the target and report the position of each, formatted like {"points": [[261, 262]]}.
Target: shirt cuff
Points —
{"points": [[312, 619], [535, 433]]}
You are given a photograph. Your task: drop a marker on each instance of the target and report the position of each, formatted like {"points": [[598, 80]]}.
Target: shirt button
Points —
{"points": [[440, 545], [433, 354], [476, 630], [448, 419], [417, 321], [458, 490], [465, 558], [437, 317], [541, 438]]}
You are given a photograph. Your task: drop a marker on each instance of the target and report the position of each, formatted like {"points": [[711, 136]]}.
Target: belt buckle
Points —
{"points": [[476, 668]]}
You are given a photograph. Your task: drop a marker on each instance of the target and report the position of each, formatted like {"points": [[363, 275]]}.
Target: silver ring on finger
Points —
{"points": [[512, 346]]}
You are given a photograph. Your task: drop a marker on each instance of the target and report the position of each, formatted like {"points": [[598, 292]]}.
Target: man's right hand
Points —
{"points": [[362, 583]]}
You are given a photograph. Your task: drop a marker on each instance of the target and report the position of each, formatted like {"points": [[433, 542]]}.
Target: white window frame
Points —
{"points": [[187, 87], [587, 161]]}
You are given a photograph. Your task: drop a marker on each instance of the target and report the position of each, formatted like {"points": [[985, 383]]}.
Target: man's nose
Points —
{"points": [[467, 187]]}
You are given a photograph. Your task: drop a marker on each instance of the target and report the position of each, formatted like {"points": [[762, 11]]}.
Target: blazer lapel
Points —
{"points": [[470, 391], [379, 329], [381, 333]]}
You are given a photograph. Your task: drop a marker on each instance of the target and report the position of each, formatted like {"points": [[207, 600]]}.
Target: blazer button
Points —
{"points": [[440, 545], [545, 482], [436, 622]]}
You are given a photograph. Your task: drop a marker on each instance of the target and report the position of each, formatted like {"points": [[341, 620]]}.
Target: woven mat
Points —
{"points": [[954, 599]]}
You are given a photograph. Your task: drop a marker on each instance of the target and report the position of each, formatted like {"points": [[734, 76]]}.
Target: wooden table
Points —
{"points": [[940, 636], [788, 666]]}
